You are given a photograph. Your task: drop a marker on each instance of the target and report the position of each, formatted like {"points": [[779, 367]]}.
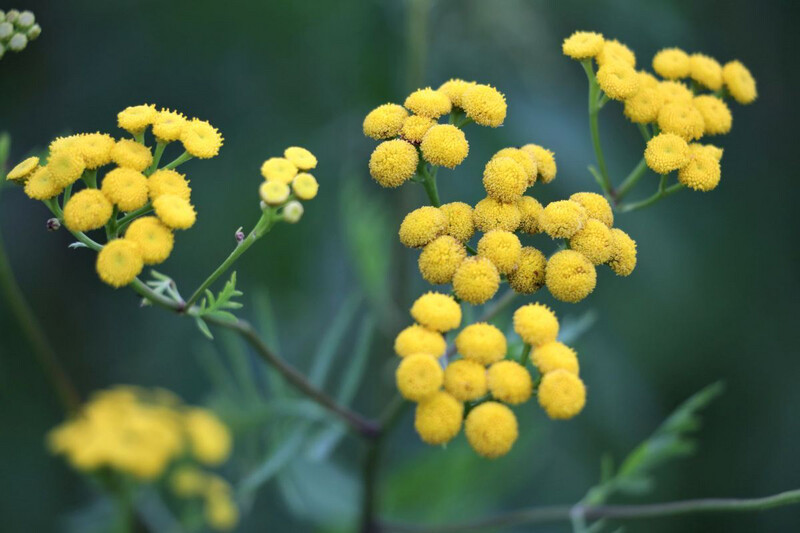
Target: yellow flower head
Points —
{"points": [[168, 182], [501, 248], [69, 142], [131, 154], [439, 312], [647, 80], [87, 210], [594, 241], [510, 382], [438, 418], [421, 226], [570, 276], [168, 125], [582, 45], [702, 173], [643, 107], [274, 192], [485, 105], [385, 121], [555, 356], [392, 163], [561, 394], [536, 324], [525, 159], [545, 162], [491, 214], [682, 119], [672, 63], [24, 169], [562, 219], [188, 481], [419, 376], [415, 127], [618, 80], [428, 103], [444, 145], [529, 275], [476, 280], [530, 210], [714, 151], [174, 211], [614, 50], [220, 511], [717, 116], [65, 167], [201, 139], [482, 343], [136, 118], [300, 157], [706, 71], [126, 188], [460, 225], [209, 439], [465, 380], [440, 259], [739, 82], [154, 239], [119, 262], [675, 92], [305, 186], [596, 206], [279, 169], [95, 148], [491, 429], [454, 89], [623, 256], [504, 179], [419, 339], [41, 185], [666, 152]]}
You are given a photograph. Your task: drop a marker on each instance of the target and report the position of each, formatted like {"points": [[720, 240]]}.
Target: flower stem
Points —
{"points": [[185, 156], [633, 178], [128, 217], [159, 151], [662, 192], [429, 182], [594, 107]]}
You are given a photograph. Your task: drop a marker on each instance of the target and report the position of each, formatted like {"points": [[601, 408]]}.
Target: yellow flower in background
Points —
{"points": [[525, 159], [126, 188], [618, 80], [682, 119], [418, 376], [491, 429], [529, 210], [87, 210], [529, 275], [422, 226], [300, 157], [274, 192], [415, 127], [482, 343], [545, 162], [220, 510], [672, 63], [596, 206], [613, 50], [201, 139], [583, 45], [562, 219], [476, 280], [385, 121], [643, 107], [428, 103], [465, 380], [706, 71], [562, 394], [675, 91], [209, 439], [392, 163], [168, 125], [419, 339], [510, 382], [570, 276], [702, 172], [131, 154], [439, 312], [739, 82], [594, 241], [555, 356], [305, 186], [444, 145], [65, 167], [119, 262], [174, 211], [135, 119], [41, 185], [536, 324], [455, 89], [717, 117], [485, 105], [167, 181], [155, 240], [23, 169], [438, 418]]}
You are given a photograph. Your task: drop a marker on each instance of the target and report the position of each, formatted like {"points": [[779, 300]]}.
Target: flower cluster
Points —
{"points": [[16, 30], [150, 434], [287, 180]]}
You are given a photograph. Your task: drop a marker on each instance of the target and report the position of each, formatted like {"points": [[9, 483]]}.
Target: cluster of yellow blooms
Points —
{"points": [[287, 180], [143, 433], [679, 114]]}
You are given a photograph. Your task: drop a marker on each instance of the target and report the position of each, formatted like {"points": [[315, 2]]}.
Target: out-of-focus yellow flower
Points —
{"points": [[415, 127], [570, 276], [119, 262], [510, 382], [561, 394], [419, 376], [438, 418], [618, 80], [439, 312], [536, 324], [643, 107], [672, 63], [675, 91], [174, 211], [274, 192], [530, 210], [87, 210], [465, 380], [455, 89], [545, 162], [594, 241], [482, 343], [209, 438], [385, 121], [739, 82], [706, 71], [702, 172], [491, 429], [278, 169], [419, 339], [154, 239], [717, 117], [421, 226], [555, 356], [66, 167], [305, 186], [23, 169], [300, 157], [614, 50], [41, 185], [682, 119], [582, 45], [428, 103], [168, 182]]}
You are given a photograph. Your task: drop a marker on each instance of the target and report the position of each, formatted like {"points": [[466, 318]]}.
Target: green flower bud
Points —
{"points": [[18, 42], [33, 32], [2, 16], [6, 30], [25, 20], [293, 212], [11, 15]]}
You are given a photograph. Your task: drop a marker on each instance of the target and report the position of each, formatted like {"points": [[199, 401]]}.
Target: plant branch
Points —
{"points": [[594, 108], [630, 182], [662, 192]]}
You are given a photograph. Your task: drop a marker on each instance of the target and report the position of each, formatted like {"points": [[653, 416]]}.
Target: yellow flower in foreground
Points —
{"points": [[545, 162], [536, 324], [174, 211], [440, 259], [740, 82], [465, 380], [438, 418], [119, 262], [87, 210], [274, 192], [623, 255], [504, 179], [491, 429], [209, 438], [415, 127], [671, 63], [168, 182], [95, 148], [131, 154], [305, 186], [583, 45], [444, 145], [570, 276], [168, 125], [530, 210], [490, 214], [201, 139], [41, 185], [385, 121], [439, 312], [278, 169], [155, 240], [702, 173], [421, 226], [460, 225], [666, 152], [482, 343], [428, 103], [65, 167], [502, 248], [419, 339], [510, 382], [596, 206], [485, 105], [455, 89], [717, 117], [561, 394], [618, 80], [682, 119], [706, 71], [529, 275], [614, 50], [136, 118], [594, 241], [643, 107], [126, 188], [562, 219], [302, 158], [23, 169], [525, 159], [392, 163], [555, 356], [418, 376], [476, 280]]}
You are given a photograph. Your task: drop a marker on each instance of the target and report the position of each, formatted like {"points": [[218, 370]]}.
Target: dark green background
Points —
{"points": [[714, 296]]}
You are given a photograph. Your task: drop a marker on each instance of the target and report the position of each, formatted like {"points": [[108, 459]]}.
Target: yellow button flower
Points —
{"points": [[279, 169], [555, 356], [666, 152], [717, 117], [87, 210], [545, 162], [643, 107], [596, 206], [41, 185], [460, 225], [415, 127], [455, 89], [385, 121], [95, 148], [168, 125], [672, 63], [582, 45], [682, 119], [394, 162], [438, 418], [485, 105], [706, 71], [482, 343], [131, 154], [154, 239], [418, 376], [525, 159], [491, 429], [24, 169], [702, 173], [623, 256], [675, 91], [126, 188], [440, 259], [66, 167], [419, 339], [570, 276], [300, 157], [614, 50], [209, 439], [562, 219], [168, 182], [502, 248], [201, 139], [504, 179], [739, 82], [444, 145], [428, 103], [594, 241], [439, 312], [491, 214], [561, 394], [421, 226], [135, 119], [536, 324], [530, 210], [465, 380], [274, 192], [618, 80], [174, 211], [119, 262], [220, 512], [476, 280], [529, 275], [305, 186], [510, 382]]}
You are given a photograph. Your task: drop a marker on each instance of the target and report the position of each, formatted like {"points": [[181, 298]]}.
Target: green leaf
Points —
{"points": [[203, 327], [215, 305], [275, 461], [331, 341]]}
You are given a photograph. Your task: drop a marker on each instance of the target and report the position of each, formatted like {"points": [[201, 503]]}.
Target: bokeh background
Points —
{"points": [[714, 296]]}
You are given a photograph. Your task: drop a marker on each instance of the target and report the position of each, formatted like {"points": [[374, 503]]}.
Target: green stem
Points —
{"points": [[185, 156], [159, 151], [662, 192], [526, 353], [128, 217], [90, 178], [594, 90], [139, 136], [429, 182], [645, 131], [633, 178]]}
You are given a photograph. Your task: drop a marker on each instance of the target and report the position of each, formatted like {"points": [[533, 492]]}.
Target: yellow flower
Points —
{"points": [[209, 438], [672, 63], [530, 210], [385, 121], [444, 145], [562, 219], [119, 262], [454, 89], [302, 158], [510, 382], [714, 151], [131, 154], [220, 511], [136, 118], [174, 211], [95, 148], [419, 339], [490, 214], [168, 182], [465, 380], [421, 226], [155, 240], [614, 50], [24, 169], [618, 80], [525, 159], [201, 139], [65, 167], [274, 192], [392, 163], [188, 481], [41, 185], [439, 312], [570, 276], [675, 91], [623, 256], [305, 186], [555, 356], [582, 45], [168, 125], [491, 429], [438, 418], [482, 343], [529, 275], [740, 82], [643, 107], [596, 206], [419, 376], [706, 71], [681, 119], [87, 210], [716, 114], [545, 162], [647, 80], [415, 127], [126, 188], [460, 225], [702, 173], [504, 179], [666, 152], [428, 103], [69, 142], [536, 324], [278, 169], [501, 248], [485, 105], [594, 241], [476, 280], [561, 394], [440, 258]]}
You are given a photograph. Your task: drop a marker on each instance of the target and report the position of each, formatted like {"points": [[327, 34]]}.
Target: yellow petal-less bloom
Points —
{"points": [[504, 179], [536, 324], [582, 45], [188, 481], [465, 380], [614, 50], [460, 225], [491, 214], [570, 276], [274, 192], [439, 312], [421, 226], [126, 188], [119, 262], [623, 256], [385, 121], [87, 210], [69, 142], [482, 343], [201, 139], [702, 173], [666, 152], [221, 513], [300, 157], [739, 82], [562, 219], [278, 169], [596, 206], [618, 80], [131, 154], [510, 382], [455, 89], [530, 210], [647, 80], [476, 281], [65, 167], [168, 182], [168, 125], [545, 162], [418, 376], [681, 119], [305, 186], [643, 107], [438, 418], [155, 240], [419, 339], [485, 105], [135, 119], [209, 438], [95, 148], [561, 394], [392, 163], [716, 114], [491, 429], [555, 355], [714, 151], [675, 91], [440, 259], [672, 63], [444, 145], [41, 185], [706, 71], [594, 241], [23, 169], [428, 103], [525, 159], [529, 275], [501, 248], [415, 127], [174, 211]]}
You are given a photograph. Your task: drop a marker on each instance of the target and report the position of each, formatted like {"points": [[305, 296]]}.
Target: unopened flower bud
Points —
{"points": [[25, 20], [11, 15], [293, 212], [2, 16], [18, 42], [33, 32], [6, 30], [53, 224], [239, 235], [262, 204]]}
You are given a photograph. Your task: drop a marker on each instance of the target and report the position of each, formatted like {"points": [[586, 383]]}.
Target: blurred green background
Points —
{"points": [[714, 296]]}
